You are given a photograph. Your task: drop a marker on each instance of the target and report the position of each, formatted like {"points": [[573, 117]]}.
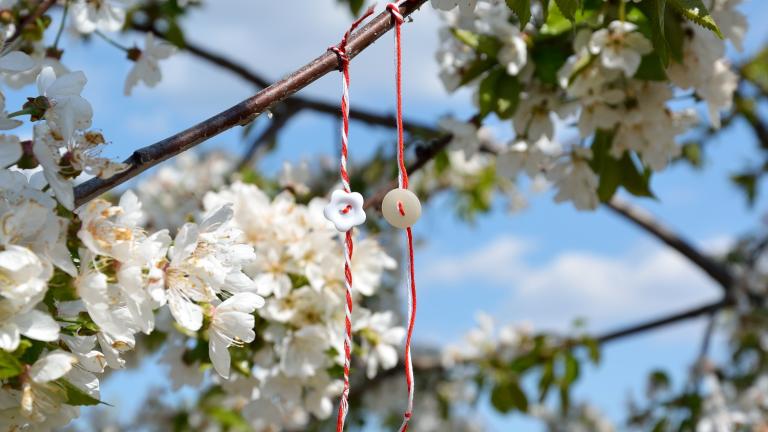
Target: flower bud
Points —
{"points": [[134, 54]]}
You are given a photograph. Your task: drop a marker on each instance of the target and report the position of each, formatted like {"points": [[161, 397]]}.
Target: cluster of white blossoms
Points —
{"points": [[488, 345], [292, 368], [72, 284], [599, 89], [726, 408], [253, 284], [78, 289]]}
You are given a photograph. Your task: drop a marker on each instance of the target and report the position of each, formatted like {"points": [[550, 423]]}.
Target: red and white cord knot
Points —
{"points": [[394, 9], [341, 53]]}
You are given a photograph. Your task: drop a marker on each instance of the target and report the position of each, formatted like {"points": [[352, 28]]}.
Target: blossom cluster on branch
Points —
{"points": [[240, 277], [79, 288], [595, 96]]}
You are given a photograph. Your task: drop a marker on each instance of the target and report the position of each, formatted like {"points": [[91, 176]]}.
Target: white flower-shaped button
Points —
{"points": [[345, 210]]}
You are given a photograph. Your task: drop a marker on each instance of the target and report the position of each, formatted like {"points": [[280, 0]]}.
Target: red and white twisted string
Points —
{"points": [[402, 179], [341, 52]]}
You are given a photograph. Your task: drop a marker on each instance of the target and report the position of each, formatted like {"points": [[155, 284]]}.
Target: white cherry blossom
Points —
{"points": [[575, 180], [101, 15], [231, 324], [620, 46], [68, 110], [146, 68]]}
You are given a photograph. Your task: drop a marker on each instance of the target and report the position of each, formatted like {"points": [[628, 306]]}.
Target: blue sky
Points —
{"points": [[546, 265]]}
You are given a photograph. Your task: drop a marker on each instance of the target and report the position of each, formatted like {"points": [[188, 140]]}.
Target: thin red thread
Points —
{"points": [[341, 52], [394, 9]]}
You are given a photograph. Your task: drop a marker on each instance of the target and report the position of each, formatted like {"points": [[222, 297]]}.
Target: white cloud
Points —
{"points": [[608, 290]]}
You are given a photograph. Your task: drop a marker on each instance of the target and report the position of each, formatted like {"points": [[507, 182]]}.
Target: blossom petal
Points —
{"points": [[9, 337], [37, 325], [219, 354], [10, 150], [52, 367], [70, 84], [245, 302], [188, 314], [16, 61], [44, 80]]}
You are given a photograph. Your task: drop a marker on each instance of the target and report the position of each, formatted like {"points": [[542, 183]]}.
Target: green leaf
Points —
{"points": [[692, 153], [756, 70], [604, 165], [616, 172], [521, 8], [658, 380], [355, 6], [664, 28], [550, 55], [481, 43], [29, 351], [696, 11], [10, 366], [75, 396], [655, 12], [228, 418], [651, 68], [546, 380], [556, 22], [593, 348], [478, 67], [442, 162], [571, 370], [522, 364], [633, 180], [661, 425], [175, 34], [748, 183], [569, 8], [507, 96], [565, 399], [674, 35], [487, 92], [507, 396], [499, 93]]}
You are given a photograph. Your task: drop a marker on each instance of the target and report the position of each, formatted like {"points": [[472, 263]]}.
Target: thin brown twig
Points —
{"points": [[663, 321], [31, 18], [244, 112], [431, 362]]}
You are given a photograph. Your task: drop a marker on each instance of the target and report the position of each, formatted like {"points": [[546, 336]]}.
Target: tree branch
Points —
{"points": [[430, 362], [653, 324], [241, 70], [714, 269], [244, 112]]}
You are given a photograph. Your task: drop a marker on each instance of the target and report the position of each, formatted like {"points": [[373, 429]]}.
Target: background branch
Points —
{"points": [[430, 361], [714, 269], [663, 321], [242, 113], [279, 120]]}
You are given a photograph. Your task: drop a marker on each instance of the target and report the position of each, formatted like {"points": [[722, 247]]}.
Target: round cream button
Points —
{"points": [[401, 208]]}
